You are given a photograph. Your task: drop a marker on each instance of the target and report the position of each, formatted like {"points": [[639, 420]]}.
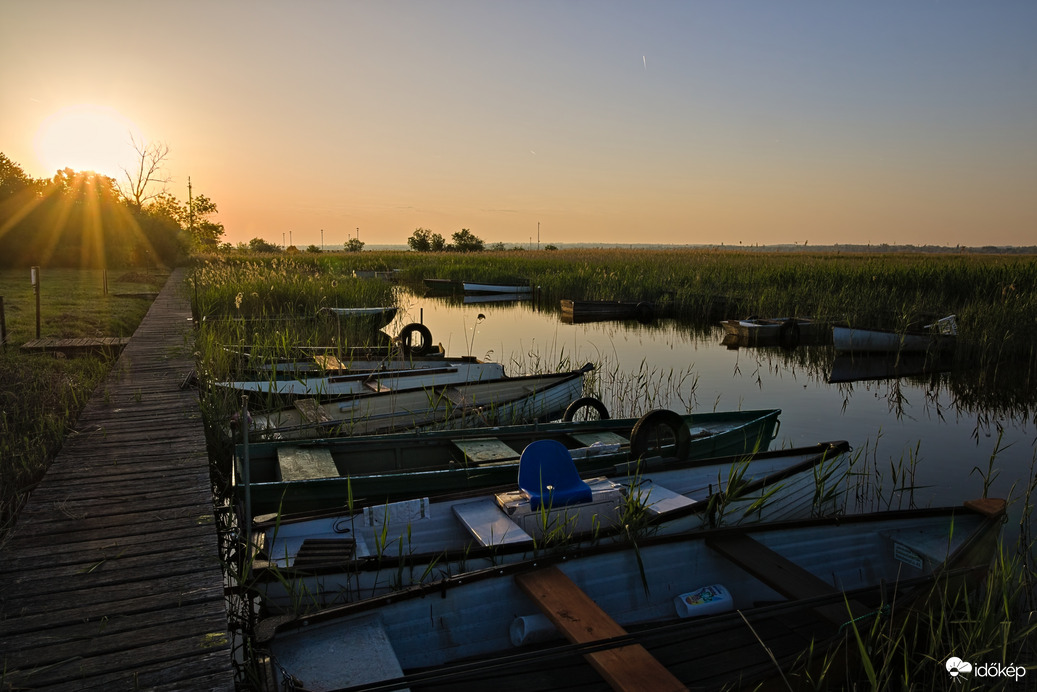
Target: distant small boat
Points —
{"points": [[789, 330], [473, 287], [938, 336], [379, 316], [442, 285], [331, 558], [577, 311], [384, 274], [718, 609], [473, 298]]}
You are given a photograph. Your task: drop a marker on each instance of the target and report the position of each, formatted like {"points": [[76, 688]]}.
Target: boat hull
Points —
{"points": [[473, 287], [438, 539], [775, 330], [503, 401], [580, 311], [376, 468], [854, 565], [440, 374], [853, 340]]}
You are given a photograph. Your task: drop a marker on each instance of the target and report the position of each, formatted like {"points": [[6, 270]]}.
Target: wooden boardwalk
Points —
{"points": [[104, 344], [111, 577]]}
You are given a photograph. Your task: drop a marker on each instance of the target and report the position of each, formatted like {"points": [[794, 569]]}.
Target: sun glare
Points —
{"points": [[87, 138]]}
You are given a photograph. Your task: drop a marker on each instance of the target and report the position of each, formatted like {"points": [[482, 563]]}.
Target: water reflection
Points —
{"points": [[853, 368], [940, 425]]}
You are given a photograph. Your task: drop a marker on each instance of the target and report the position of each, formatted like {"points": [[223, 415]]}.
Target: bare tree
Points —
{"points": [[148, 173]]}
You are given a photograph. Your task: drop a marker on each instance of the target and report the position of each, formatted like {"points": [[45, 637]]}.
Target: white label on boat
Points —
{"points": [[906, 555]]}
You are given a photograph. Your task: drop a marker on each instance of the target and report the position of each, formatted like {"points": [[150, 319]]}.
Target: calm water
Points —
{"points": [[914, 425]]}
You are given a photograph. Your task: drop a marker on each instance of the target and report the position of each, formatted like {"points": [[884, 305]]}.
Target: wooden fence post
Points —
{"points": [[34, 273]]}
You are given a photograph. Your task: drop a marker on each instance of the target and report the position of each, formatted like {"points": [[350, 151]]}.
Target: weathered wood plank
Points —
{"points": [[781, 574], [39, 614], [581, 620]]}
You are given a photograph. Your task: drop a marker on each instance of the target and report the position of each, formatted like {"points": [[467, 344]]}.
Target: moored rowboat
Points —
{"points": [[445, 373], [578, 311], [674, 612], [785, 329], [332, 558], [500, 401], [939, 336], [475, 287], [295, 477]]}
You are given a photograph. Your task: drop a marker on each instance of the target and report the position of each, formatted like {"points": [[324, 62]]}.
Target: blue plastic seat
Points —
{"points": [[548, 475]]}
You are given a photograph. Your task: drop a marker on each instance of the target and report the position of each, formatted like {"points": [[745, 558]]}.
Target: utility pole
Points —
{"points": [[190, 208], [538, 235], [322, 240]]}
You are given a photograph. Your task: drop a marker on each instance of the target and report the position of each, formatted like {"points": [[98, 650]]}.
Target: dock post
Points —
{"points": [[246, 470], [34, 273]]}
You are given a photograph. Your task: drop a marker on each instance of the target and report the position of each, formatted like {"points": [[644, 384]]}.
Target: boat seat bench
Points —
{"points": [[485, 449], [580, 619], [488, 524], [305, 463], [782, 575], [328, 362], [312, 411], [605, 437]]}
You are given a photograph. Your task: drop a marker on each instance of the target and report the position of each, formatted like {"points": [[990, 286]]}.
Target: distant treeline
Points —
{"points": [[841, 247], [83, 219]]}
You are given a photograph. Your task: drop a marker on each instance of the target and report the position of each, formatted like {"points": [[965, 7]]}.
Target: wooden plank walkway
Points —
{"points": [[111, 577]]}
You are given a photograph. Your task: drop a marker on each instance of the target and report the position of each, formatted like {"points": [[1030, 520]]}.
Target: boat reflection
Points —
{"points": [[855, 368]]}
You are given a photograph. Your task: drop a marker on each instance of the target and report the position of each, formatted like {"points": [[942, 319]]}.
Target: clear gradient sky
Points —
{"points": [[741, 121]]}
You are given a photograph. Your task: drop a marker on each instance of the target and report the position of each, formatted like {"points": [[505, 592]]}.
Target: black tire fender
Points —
{"points": [[788, 333], [406, 339], [645, 312], [585, 402], [642, 431]]}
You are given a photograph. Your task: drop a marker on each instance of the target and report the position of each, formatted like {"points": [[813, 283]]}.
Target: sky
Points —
{"points": [[564, 121]]}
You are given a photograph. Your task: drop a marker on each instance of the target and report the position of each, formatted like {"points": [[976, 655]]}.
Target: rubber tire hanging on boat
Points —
{"points": [[645, 312], [585, 402], [643, 429], [788, 333], [406, 336]]}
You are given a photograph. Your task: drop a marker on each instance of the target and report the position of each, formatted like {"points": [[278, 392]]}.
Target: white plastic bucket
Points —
{"points": [[531, 629]]}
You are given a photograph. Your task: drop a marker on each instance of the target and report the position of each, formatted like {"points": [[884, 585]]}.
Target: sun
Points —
{"points": [[87, 137]]}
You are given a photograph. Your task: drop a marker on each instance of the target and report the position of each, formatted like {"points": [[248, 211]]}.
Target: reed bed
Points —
{"points": [[993, 296]]}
